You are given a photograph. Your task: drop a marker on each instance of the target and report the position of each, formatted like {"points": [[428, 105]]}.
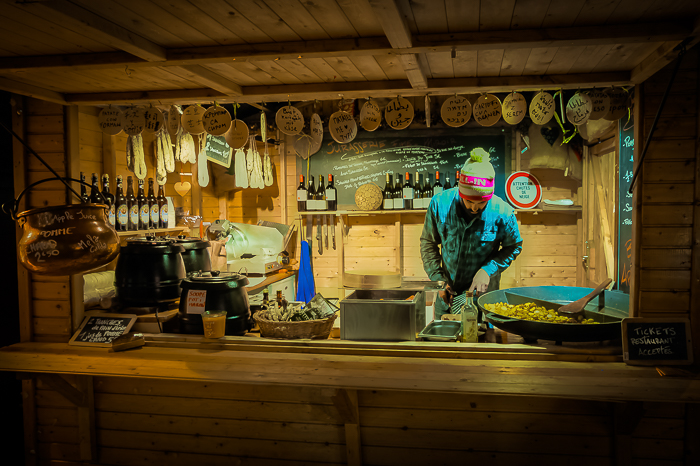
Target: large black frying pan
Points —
{"points": [[608, 309]]}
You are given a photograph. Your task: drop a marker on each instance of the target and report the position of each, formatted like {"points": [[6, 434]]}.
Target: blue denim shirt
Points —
{"points": [[490, 241]]}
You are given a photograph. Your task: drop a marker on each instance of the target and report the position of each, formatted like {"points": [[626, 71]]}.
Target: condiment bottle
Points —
{"points": [[469, 320]]}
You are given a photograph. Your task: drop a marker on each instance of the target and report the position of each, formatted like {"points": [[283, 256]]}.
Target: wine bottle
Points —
{"points": [[388, 193], [331, 194], [132, 204], [144, 211], [407, 193], [447, 182], [95, 195], [456, 185], [153, 212], [162, 208], [311, 202], [421, 193], [122, 208], [398, 193], [437, 187], [84, 198], [109, 198], [302, 195], [321, 195], [428, 191]]}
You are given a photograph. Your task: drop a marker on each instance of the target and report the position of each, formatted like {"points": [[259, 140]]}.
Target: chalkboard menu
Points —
{"points": [[102, 329], [218, 150], [371, 155], [647, 341], [624, 227]]}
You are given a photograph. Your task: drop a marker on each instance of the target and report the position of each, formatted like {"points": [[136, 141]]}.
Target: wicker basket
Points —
{"points": [[368, 197], [309, 329]]}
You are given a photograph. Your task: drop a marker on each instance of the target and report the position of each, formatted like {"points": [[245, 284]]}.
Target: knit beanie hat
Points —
{"points": [[477, 177]]}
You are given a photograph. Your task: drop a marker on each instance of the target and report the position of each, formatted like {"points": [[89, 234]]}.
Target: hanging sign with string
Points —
{"points": [[542, 108], [173, 122], [342, 127], [618, 104], [192, 119], [578, 109], [399, 113], [154, 120], [109, 120], [316, 130], [600, 103], [487, 110], [289, 120], [370, 116], [456, 111], [133, 120], [237, 135], [216, 120], [514, 108]]}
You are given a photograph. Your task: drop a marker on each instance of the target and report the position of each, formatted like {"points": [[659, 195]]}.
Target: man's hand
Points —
{"points": [[447, 294], [481, 282]]}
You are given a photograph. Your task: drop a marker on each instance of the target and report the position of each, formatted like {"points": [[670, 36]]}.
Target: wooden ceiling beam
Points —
{"points": [[363, 89], [89, 24], [206, 77], [507, 40], [32, 91]]}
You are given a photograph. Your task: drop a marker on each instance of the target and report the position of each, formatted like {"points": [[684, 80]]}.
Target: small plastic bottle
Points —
{"points": [[469, 316]]}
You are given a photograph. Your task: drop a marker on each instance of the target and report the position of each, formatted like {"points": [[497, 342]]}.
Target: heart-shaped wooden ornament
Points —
{"points": [[182, 187]]}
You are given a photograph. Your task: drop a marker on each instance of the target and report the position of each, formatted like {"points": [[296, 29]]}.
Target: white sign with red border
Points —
{"points": [[523, 190]]}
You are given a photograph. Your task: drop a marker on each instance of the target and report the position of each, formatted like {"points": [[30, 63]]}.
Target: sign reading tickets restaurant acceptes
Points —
{"points": [[523, 190], [656, 341]]}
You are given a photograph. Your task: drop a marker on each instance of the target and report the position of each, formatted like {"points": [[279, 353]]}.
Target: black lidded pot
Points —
{"points": [[149, 271], [219, 291], [195, 255]]}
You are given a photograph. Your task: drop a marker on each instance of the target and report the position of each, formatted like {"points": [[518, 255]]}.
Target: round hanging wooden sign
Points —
{"points": [[216, 120], [600, 103], [109, 120], [289, 120], [237, 135], [542, 108], [578, 109], [399, 113], [514, 108], [316, 128], [304, 146], [456, 111], [370, 116], [342, 127], [523, 190], [173, 123], [154, 120], [618, 104], [487, 110], [133, 120], [192, 119]]}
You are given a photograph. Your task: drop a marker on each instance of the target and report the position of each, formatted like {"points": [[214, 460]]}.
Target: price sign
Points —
{"points": [[514, 108], [100, 330], [289, 120], [523, 190], [196, 300], [316, 129], [487, 110], [173, 121], [218, 151], [456, 111], [192, 119], [109, 120], [647, 341], [237, 135], [154, 120], [133, 120], [542, 108], [618, 104], [216, 120], [600, 102], [578, 109], [370, 116], [342, 127], [399, 113]]}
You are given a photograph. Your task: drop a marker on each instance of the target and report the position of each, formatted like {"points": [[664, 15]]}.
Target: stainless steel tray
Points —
{"points": [[442, 330]]}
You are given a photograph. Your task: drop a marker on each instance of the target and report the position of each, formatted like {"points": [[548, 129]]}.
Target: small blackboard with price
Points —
{"points": [[100, 330], [648, 342], [218, 150]]}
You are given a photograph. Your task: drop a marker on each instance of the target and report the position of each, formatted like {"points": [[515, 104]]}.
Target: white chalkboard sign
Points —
{"points": [[656, 341], [100, 330]]}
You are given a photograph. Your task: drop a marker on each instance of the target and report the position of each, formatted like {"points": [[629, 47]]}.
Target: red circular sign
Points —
{"points": [[523, 190]]}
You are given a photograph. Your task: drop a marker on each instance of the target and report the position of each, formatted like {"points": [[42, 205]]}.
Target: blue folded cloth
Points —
{"points": [[306, 289]]}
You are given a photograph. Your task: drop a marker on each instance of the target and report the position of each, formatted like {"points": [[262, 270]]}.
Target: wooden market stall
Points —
{"points": [[185, 400]]}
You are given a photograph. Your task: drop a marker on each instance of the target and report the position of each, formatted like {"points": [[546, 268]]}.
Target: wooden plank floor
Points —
{"points": [[579, 380]]}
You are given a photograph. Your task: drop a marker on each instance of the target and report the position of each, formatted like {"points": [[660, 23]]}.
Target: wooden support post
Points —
{"points": [[346, 403], [639, 133], [72, 118], [340, 245], [398, 244], [29, 416], [606, 246]]}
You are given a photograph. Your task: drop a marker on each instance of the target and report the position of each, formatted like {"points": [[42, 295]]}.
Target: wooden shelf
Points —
{"points": [[156, 231], [554, 208], [362, 212]]}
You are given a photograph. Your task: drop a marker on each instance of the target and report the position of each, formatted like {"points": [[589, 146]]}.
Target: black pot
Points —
{"points": [[149, 272], [215, 291], [196, 254]]}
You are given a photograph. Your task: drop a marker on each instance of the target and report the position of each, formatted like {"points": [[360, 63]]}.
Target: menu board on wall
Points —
{"points": [[371, 155], [624, 227]]}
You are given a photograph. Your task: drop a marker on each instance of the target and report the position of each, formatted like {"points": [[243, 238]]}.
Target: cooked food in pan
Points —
{"points": [[531, 311]]}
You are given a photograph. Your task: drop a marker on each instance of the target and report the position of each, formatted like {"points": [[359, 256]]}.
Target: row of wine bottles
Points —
{"points": [[310, 197], [414, 192], [128, 212]]}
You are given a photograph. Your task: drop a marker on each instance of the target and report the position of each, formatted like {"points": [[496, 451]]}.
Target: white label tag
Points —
{"points": [[330, 195], [301, 194], [408, 193], [437, 190], [398, 203], [418, 203], [388, 203], [195, 301]]}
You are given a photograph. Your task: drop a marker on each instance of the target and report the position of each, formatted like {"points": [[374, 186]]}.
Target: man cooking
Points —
{"points": [[477, 230]]}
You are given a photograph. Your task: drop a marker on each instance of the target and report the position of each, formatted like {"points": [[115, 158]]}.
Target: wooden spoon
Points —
{"points": [[577, 306]]}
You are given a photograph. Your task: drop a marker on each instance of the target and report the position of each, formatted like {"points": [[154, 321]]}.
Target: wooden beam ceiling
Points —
{"points": [[206, 77]]}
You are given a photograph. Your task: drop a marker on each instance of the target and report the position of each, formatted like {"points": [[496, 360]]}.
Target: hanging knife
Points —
{"points": [[332, 220], [309, 230], [325, 230], [319, 234]]}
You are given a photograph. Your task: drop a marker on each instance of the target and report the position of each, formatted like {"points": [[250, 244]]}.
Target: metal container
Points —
{"points": [[442, 330], [196, 254], [382, 315]]}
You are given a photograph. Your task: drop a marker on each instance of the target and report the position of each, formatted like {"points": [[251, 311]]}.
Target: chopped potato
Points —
{"points": [[533, 312]]}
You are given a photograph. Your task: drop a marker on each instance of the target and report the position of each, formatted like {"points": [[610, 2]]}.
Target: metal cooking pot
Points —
{"points": [[149, 272], [196, 254], [215, 291], [66, 239], [608, 309]]}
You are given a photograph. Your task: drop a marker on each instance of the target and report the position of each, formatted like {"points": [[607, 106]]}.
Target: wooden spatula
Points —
{"points": [[577, 306]]}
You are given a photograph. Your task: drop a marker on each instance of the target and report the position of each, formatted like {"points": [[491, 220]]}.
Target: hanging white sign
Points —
{"points": [[456, 111]]}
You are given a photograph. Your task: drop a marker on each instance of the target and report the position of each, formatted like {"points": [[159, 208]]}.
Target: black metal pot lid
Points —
{"points": [[152, 244], [191, 242], [216, 276]]}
